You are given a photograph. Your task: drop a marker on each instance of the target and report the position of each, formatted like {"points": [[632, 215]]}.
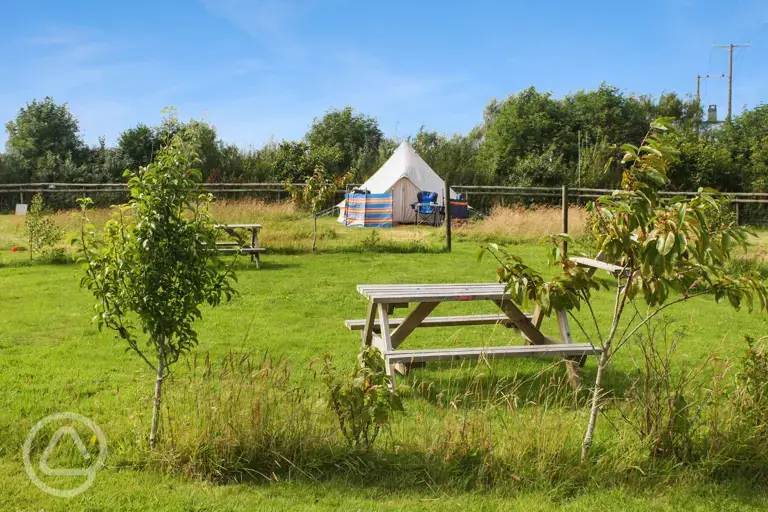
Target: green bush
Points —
{"points": [[364, 401]]}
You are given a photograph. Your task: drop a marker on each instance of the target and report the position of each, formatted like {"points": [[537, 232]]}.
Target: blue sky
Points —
{"points": [[259, 69]]}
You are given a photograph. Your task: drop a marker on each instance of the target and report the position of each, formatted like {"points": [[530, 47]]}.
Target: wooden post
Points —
{"points": [[738, 214], [565, 218], [447, 217]]}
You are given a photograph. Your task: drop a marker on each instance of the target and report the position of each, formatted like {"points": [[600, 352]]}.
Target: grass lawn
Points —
{"points": [[53, 359]]}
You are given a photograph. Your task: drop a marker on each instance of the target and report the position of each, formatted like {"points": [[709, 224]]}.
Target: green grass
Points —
{"points": [[52, 359], [129, 490]]}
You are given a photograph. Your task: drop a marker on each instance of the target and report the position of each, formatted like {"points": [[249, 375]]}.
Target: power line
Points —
{"points": [[740, 58]]}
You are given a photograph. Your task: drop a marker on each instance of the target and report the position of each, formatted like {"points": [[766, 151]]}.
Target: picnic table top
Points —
{"points": [[239, 226], [399, 293]]}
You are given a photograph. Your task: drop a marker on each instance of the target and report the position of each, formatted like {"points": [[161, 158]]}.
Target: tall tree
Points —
{"points": [[138, 144], [526, 123], [43, 135], [356, 136], [206, 144], [296, 161], [607, 113], [43, 127], [450, 157]]}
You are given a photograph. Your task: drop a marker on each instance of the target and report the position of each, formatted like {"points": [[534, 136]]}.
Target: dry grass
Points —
{"points": [[256, 210], [290, 229], [518, 222]]}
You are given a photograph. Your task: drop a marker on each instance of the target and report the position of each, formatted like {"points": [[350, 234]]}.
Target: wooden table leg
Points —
{"points": [[255, 245], [386, 336], [530, 332], [410, 323], [370, 321], [565, 334], [536, 318]]}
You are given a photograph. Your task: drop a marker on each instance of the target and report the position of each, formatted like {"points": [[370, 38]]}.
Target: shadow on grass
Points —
{"points": [[463, 469], [42, 260], [512, 385], [471, 385], [266, 265], [381, 247]]}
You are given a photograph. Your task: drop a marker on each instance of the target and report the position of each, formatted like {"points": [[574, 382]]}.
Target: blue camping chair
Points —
{"points": [[427, 209]]}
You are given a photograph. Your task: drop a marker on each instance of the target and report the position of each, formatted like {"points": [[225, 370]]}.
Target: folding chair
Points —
{"points": [[426, 208]]}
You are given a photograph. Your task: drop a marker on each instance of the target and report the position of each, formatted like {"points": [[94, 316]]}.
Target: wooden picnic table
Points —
{"points": [[239, 244], [387, 334]]}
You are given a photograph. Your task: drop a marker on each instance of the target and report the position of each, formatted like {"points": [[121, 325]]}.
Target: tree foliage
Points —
{"points": [[138, 144], [452, 157], [154, 265], [356, 137], [524, 124], [41, 231], [668, 252], [317, 192], [41, 128], [364, 402], [43, 137], [530, 138], [295, 161]]}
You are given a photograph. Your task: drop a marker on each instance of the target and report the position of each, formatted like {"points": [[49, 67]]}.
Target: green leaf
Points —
{"points": [[665, 243]]}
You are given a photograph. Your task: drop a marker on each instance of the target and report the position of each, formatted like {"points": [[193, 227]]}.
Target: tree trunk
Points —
{"points": [[595, 409], [621, 297], [314, 238], [158, 397]]}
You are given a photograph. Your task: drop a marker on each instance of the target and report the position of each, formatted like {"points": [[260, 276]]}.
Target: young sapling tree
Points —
{"points": [[155, 264], [669, 252], [39, 227], [319, 189]]}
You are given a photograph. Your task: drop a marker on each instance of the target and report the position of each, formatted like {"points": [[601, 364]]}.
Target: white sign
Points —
{"points": [[21, 209], [67, 432]]}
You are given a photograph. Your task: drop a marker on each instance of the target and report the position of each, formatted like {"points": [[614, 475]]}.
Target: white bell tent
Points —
{"points": [[404, 175]]}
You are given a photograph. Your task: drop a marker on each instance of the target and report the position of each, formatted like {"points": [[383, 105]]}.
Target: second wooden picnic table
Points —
{"points": [[254, 249], [387, 334]]}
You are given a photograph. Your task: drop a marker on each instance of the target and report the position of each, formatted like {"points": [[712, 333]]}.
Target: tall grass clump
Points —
{"points": [[243, 418], [737, 423]]}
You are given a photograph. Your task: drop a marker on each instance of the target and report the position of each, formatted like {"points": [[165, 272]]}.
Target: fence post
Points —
{"points": [[447, 216], [738, 214], [565, 218]]}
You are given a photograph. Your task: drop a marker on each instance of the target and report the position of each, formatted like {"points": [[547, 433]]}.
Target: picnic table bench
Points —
{"points": [[387, 334], [239, 244]]}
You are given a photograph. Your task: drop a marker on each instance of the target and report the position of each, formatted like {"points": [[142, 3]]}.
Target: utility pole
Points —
{"points": [[698, 89], [730, 73], [579, 161]]}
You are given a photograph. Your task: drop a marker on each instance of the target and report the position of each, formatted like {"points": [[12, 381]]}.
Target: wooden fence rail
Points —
{"points": [[486, 191]]}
